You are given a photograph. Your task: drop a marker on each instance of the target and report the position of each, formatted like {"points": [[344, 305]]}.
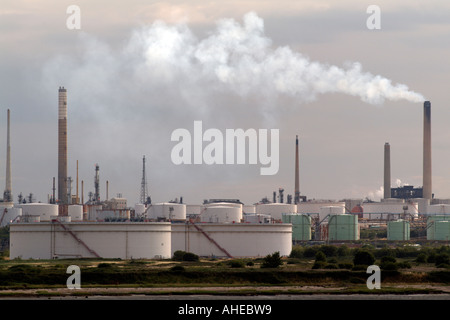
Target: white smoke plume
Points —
{"points": [[241, 58], [375, 195]]}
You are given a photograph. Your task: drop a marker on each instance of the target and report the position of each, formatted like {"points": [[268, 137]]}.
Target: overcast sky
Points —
{"points": [[138, 70]]}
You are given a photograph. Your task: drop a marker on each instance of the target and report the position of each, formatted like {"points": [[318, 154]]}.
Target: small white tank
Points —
{"points": [[167, 210], [9, 214], [330, 210], [276, 210], [139, 209], [221, 214], [43, 210], [76, 212]]}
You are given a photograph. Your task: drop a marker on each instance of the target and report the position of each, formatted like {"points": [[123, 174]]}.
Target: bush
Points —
{"points": [[332, 260], [329, 250], [343, 251], [388, 259], [331, 266], [431, 257], [177, 269], [319, 265], [404, 265], [178, 255], [359, 267], [310, 252], [320, 256], [345, 265], [105, 265], [363, 257], [189, 256], [250, 264], [272, 261], [296, 252], [421, 258], [442, 258], [389, 266], [237, 264]]}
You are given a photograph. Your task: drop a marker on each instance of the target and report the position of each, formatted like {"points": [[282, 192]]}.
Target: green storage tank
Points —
{"points": [[398, 230], [431, 226], [301, 226], [343, 227]]}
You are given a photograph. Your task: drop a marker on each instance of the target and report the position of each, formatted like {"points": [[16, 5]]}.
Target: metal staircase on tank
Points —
{"points": [[210, 239], [76, 238]]}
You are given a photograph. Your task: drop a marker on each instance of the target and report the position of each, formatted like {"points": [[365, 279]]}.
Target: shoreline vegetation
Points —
{"points": [[309, 269]]}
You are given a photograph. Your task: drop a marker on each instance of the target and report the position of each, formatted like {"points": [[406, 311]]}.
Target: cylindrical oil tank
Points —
{"points": [[168, 211], [61, 218], [301, 226], [431, 224], [398, 230], [257, 218], [248, 209], [313, 206], [221, 214], [441, 230], [276, 210], [9, 214], [382, 210], [343, 227], [28, 218], [139, 209], [75, 212], [92, 214], [439, 209], [327, 211], [43, 210], [238, 239]]}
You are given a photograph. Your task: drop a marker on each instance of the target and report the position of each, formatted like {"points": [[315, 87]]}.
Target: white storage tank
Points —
{"points": [[92, 212], [8, 214], [76, 212], [329, 211], [313, 206], [439, 209], [276, 210], [193, 209], [248, 208], [221, 214], [61, 218], [111, 214], [139, 209], [237, 239], [43, 210], [257, 218], [382, 210], [167, 210]]}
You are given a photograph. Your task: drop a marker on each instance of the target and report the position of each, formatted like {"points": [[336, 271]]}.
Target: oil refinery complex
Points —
{"points": [[69, 227]]}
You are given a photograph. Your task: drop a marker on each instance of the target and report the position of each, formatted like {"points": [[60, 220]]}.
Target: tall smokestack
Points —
{"points": [[7, 195], [387, 171], [297, 177], [62, 146], [427, 193]]}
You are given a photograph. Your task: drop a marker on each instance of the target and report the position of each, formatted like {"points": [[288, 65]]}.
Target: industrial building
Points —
{"points": [[217, 228]]}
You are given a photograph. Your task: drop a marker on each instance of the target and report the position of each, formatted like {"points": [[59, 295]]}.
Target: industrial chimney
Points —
{"points": [[427, 193], [387, 171], [62, 146], [7, 195], [297, 177]]}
